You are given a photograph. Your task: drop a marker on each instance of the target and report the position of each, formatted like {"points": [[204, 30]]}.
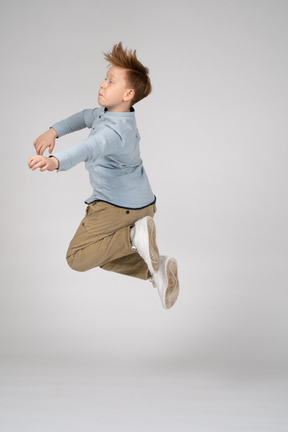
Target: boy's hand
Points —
{"points": [[44, 163], [47, 139]]}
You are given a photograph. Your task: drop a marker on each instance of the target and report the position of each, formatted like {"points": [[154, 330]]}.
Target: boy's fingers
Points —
{"points": [[51, 147], [38, 150], [35, 162], [39, 147], [31, 162], [34, 159], [43, 166], [36, 145], [34, 166]]}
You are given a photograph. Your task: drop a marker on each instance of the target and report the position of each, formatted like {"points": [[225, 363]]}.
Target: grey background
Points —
{"points": [[214, 144]]}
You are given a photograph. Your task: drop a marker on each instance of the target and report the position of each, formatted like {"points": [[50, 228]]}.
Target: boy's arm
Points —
{"points": [[106, 142], [71, 124], [75, 122], [100, 144]]}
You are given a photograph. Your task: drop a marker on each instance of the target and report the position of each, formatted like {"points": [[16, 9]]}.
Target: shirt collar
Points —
{"points": [[131, 109]]}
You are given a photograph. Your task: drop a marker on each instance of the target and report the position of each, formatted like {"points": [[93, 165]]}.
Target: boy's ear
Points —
{"points": [[129, 95]]}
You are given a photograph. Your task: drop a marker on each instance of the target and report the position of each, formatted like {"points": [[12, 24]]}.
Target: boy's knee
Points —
{"points": [[78, 264], [73, 264]]}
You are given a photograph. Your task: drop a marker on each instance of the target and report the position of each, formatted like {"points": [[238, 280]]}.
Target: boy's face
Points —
{"points": [[114, 93]]}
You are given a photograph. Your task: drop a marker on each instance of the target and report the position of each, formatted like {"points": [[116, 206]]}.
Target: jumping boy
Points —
{"points": [[118, 231]]}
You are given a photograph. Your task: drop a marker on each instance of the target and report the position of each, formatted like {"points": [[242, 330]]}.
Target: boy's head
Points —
{"points": [[128, 70]]}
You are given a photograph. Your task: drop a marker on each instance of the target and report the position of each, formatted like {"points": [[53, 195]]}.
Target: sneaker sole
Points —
{"points": [[153, 248], [172, 290]]}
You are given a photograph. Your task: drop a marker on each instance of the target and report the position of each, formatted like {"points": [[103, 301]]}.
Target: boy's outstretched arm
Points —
{"points": [[47, 139], [44, 163]]}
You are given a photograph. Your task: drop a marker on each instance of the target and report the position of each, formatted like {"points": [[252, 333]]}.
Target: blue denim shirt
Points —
{"points": [[111, 154]]}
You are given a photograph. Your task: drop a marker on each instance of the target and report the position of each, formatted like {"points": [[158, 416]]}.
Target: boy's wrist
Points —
{"points": [[55, 162], [53, 132]]}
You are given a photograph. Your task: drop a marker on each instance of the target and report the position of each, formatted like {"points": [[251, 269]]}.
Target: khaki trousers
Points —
{"points": [[103, 240]]}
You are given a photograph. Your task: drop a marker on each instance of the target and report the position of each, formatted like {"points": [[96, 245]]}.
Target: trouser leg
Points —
{"points": [[103, 239], [129, 265]]}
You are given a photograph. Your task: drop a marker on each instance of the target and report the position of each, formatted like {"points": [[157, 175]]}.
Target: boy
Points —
{"points": [[118, 232]]}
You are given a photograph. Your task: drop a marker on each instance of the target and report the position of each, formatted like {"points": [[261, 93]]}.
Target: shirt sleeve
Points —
{"points": [[75, 122], [103, 143]]}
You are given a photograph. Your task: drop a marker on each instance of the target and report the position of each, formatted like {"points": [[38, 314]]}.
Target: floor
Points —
{"points": [[57, 396]]}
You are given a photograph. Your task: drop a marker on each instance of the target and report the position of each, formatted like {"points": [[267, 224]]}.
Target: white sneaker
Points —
{"points": [[166, 281], [144, 242]]}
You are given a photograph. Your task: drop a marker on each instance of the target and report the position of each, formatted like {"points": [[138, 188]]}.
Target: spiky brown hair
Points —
{"points": [[137, 74]]}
